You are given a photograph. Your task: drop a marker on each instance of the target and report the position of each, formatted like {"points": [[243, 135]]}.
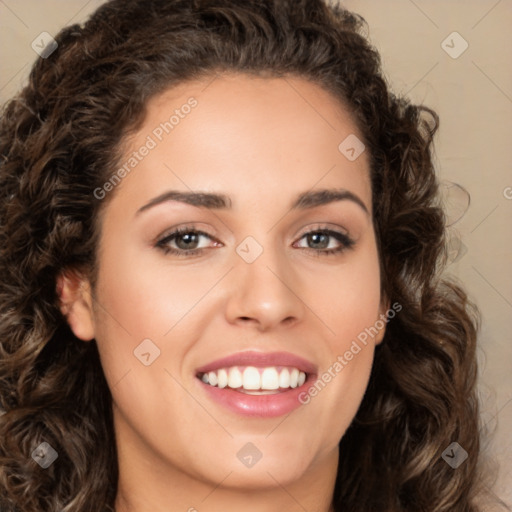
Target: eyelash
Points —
{"points": [[163, 244]]}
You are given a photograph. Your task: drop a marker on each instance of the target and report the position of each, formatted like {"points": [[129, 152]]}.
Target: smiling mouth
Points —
{"points": [[252, 380]]}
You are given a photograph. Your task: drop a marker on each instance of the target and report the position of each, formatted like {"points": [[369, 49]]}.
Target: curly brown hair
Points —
{"points": [[60, 138]]}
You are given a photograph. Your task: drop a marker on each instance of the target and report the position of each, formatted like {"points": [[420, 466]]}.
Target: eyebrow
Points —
{"points": [[304, 201]]}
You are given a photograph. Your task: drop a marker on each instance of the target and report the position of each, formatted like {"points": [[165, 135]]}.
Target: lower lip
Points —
{"points": [[262, 406]]}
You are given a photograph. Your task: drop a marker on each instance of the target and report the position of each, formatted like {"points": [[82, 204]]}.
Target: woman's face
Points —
{"points": [[256, 286]]}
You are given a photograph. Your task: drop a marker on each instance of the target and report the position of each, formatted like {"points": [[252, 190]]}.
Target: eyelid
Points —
{"points": [[184, 228], [323, 226]]}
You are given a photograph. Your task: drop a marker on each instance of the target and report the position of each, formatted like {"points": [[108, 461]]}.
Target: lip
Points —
{"points": [[261, 406], [260, 359]]}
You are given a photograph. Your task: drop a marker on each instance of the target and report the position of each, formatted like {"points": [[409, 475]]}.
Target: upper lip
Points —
{"points": [[260, 359]]}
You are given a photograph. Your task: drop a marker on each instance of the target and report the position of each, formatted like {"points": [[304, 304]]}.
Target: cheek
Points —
{"points": [[351, 310], [147, 299], [137, 301], [350, 299]]}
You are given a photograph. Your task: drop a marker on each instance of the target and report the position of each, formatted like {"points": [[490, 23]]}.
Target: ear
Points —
{"points": [[74, 292], [383, 309]]}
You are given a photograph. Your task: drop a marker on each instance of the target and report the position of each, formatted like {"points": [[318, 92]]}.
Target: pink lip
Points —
{"points": [[262, 406], [260, 359]]}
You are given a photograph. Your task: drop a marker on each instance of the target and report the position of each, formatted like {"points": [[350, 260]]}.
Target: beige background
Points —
{"points": [[473, 96]]}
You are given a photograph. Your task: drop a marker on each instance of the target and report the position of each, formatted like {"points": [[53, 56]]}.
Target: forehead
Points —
{"points": [[250, 132]]}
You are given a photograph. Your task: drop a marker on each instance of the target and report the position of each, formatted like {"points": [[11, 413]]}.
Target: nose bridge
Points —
{"points": [[263, 284]]}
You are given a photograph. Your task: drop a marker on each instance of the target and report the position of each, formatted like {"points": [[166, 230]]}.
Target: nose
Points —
{"points": [[265, 293]]}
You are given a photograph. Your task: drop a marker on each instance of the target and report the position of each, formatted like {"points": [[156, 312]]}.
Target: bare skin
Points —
{"points": [[260, 143]]}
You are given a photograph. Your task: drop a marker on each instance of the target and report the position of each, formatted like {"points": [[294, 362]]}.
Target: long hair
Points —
{"points": [[60, 139]]}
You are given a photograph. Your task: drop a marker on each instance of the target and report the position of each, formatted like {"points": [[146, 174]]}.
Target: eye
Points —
{"points": [[184, 242], [185, 239], [322, 240]]}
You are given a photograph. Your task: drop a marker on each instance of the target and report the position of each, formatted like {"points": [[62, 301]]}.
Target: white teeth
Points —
{"points": [[235, 378], [222, 378], [212, 378], [269, 379], [255, 380], [284, 378], [251, 378], [294, 377]]}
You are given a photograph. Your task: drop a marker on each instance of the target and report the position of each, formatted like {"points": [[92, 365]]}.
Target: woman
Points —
{"points": [[221, 273]]}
